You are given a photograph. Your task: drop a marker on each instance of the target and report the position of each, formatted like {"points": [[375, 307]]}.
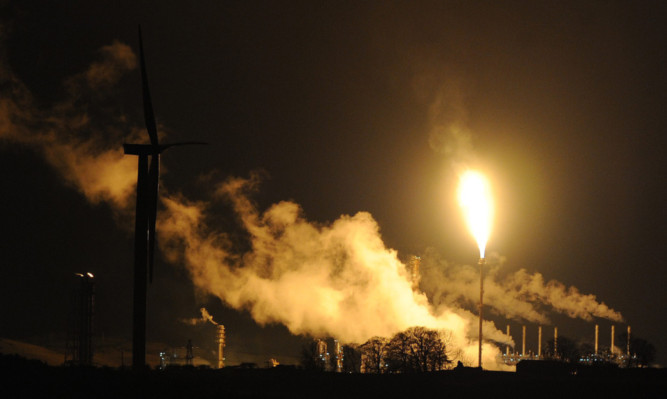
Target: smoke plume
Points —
{"points": [[65, 133], [205, 317], [519, 295], [449, 133]]}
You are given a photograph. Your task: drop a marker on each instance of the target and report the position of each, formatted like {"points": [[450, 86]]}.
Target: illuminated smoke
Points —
{"points": [[519, 295], [449, 133], [205, 317], [337, 279], [65, 133], [117, 58]]}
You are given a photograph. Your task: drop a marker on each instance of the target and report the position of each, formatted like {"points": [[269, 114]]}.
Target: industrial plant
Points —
{"points": [[621, 356]]}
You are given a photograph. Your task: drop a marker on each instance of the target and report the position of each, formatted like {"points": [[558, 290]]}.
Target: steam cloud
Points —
{"points": [[335, 279], [65, 133]]}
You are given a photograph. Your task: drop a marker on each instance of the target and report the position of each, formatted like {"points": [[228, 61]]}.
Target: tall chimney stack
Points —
{"points": [[613, 349], [628, 348], [221, 345], [539, 342], [507, 348], [523, 345], [597, 333], [556, 342]]}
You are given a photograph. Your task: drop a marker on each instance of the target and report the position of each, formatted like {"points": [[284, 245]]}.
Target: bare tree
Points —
{"points": [[417, 349], [373, 355], [399, 353]]}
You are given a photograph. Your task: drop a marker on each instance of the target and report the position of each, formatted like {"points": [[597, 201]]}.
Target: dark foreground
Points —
{"points": [[21, 378]]}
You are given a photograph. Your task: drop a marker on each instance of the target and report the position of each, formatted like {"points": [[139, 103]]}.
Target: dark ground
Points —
{"points": [[22, 378]]}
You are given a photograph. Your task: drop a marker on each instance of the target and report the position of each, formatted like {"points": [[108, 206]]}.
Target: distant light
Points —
{"points": [[90, 275]]}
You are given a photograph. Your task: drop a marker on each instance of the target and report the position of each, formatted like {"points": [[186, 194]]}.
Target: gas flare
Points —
{"points": [[477, 204]]}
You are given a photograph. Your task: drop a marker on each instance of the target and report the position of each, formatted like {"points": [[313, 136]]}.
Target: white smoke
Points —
{"points": [[519, 295]]}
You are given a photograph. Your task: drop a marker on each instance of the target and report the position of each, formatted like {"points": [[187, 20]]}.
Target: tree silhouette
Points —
{"points": [[351, 359], [567, 350], [373, 355], [642, 352], [417, 349]]}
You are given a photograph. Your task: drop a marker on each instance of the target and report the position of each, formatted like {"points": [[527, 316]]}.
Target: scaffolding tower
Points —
{"points": [[79, 345]]}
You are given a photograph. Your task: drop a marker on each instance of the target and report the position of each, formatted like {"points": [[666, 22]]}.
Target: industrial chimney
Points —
{"points": [[556, 342], [523, 344], [597, 332], [221, 345], [539, 342], [413, 265], [507, 348], [613, 349]]}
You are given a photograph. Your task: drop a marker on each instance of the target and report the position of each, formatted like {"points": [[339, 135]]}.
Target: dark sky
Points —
{"points": [[564, 103]]}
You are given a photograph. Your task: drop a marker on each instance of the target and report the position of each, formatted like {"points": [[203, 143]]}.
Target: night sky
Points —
{"points": [[336, 106]]}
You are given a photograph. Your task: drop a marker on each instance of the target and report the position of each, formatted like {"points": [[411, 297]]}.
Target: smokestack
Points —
{"points": [[597, 332], [481, 307], [556, 342], [539, 342], [628, 344], [523, 344], [221, 345], [507, 348], [613, 350], [415, 262]]}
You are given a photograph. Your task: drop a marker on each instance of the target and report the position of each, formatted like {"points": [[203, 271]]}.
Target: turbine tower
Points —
{"points": [[146, 214]]}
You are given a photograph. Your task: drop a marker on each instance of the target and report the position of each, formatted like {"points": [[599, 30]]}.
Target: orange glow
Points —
{"points": [[477, 203]]}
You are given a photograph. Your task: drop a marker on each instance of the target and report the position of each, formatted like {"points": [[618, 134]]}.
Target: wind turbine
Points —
{"points": [[146, 214]]}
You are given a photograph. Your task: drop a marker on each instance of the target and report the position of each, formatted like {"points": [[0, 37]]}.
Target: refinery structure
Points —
{"points": [[620, 355]]}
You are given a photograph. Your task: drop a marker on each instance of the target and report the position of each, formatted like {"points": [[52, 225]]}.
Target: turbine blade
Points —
{"points": [[149, 115], [153, 189]]}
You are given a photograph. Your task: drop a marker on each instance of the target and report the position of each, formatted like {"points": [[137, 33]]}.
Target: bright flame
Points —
{"points": [[477, 203]]}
